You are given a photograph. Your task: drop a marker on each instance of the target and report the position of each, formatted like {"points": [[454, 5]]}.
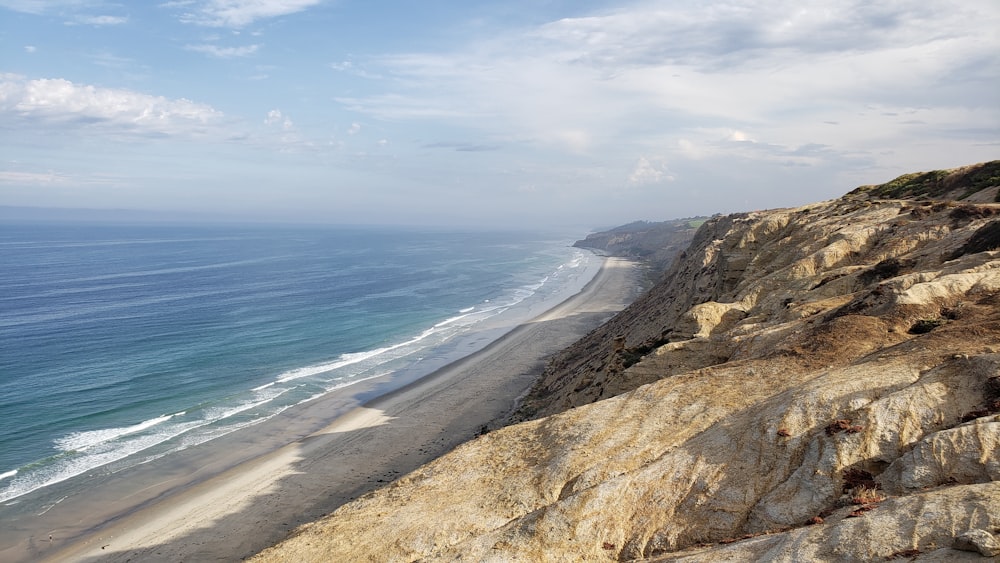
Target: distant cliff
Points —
{"points": [[811, 384], [655, 243]]}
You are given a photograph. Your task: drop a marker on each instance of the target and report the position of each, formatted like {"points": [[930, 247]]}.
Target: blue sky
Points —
{"points": [[516, 113]]}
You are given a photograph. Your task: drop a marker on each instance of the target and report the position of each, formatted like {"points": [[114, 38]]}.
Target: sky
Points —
{"points": [[516, 113]]}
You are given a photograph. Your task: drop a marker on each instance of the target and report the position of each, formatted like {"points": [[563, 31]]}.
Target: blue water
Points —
{"points": [[121, 344]]}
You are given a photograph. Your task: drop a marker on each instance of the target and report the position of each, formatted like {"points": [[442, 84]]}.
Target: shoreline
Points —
{"points": [[245, 492]]}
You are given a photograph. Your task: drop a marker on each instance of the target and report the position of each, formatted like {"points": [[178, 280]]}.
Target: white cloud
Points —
{"points": [[77, 10], [350, 68], [699, 75], [33, 178], [237, 13], [649, 172], [283, 135], [354, 129], [690, 149], [30, 49], [398, 106], [576, 140], [275, 117], [738, 136], [223, 52], [44, 6], [111, 60], [733, 145], [64, 105], [101, 20]]}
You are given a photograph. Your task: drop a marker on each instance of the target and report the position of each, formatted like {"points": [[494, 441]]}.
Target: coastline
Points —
{"points": [[246, 491]]}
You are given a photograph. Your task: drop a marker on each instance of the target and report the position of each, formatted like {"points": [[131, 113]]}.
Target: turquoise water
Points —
{"points": [[121, 344]]}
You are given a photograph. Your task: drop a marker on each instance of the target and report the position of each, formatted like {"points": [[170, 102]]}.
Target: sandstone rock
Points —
{"points": [[978, 540]]}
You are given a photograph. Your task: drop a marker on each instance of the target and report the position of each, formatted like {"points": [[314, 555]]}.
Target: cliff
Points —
{"points": [[655, 243], [819, 383]]}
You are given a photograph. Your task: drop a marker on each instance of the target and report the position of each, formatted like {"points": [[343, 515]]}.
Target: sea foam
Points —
{"points": [[80, 441]]}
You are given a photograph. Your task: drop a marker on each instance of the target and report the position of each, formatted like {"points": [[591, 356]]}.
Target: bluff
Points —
{"points": [[655, 243], [819, 383]]}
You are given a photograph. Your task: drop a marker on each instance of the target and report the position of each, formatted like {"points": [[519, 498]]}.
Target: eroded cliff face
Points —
{"points": [[768, 284], [820, 383]]}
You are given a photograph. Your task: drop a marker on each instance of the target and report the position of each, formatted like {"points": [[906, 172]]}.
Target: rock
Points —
{"points": [[978, 540]]}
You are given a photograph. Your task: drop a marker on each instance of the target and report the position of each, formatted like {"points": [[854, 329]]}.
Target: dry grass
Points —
{"points": [[867, 495]]}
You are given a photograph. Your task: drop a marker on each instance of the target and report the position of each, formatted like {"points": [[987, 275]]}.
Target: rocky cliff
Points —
{"points": [[819, 383], [656, 243]]}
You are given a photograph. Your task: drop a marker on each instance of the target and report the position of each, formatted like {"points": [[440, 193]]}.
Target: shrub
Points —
{"points": [[923, 326]]}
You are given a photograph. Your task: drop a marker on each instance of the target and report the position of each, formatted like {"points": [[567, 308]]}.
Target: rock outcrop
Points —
{"points": [[810, 384]]}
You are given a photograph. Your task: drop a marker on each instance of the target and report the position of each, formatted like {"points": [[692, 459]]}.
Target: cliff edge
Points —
{"points": [[819, 383]]}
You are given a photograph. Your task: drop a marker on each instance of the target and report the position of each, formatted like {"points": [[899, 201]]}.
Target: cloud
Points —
{"points": [[284, 136], [398, 106], [354, 129], [100, 20], [110, 60], [463, 147], [46, 6], [738, 136], [223, 52], [699, 77], [76, 10], [237, 13], [33, 178], [65, 106], [350, 68], [30, 49], [734, 145], [275, 117], [649, 172]]}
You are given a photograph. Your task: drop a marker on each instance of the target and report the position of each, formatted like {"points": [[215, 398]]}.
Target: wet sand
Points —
{"points": [[232, 497]]}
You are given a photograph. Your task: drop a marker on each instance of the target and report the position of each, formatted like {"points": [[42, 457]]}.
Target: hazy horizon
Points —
{"points": [[517, 114], [30, 215]]}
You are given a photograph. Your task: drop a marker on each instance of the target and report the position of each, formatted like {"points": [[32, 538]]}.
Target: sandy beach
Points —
{"points": [[234, 496]]}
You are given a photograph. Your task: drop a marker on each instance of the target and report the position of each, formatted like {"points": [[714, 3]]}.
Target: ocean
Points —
{"points": [[122, 344]]}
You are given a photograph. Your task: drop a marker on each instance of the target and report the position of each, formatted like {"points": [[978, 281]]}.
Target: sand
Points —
{"points": [[232, 497]]}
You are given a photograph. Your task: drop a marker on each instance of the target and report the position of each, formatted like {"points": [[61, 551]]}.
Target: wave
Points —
{"points": [[84, 451], [217, 414], [352, 358], [8, 474], [68, 464], [342, 361], [80, 441]]}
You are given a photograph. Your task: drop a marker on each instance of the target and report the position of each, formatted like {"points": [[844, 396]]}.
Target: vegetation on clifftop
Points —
{"points": [[956, 183]]}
